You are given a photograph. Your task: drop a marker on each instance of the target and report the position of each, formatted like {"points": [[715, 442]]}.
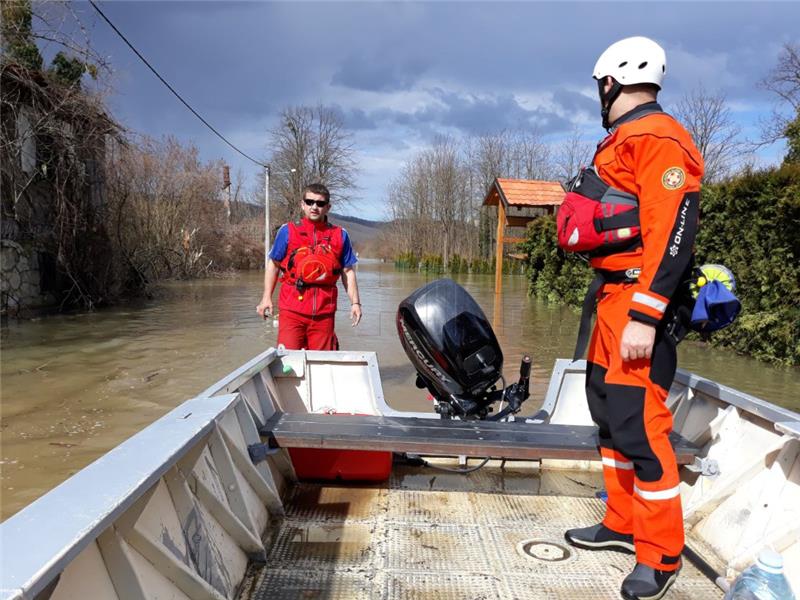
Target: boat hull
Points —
{"points": [[188, 507]]}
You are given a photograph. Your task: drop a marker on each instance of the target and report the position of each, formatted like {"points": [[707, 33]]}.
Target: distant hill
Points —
{"points": [[364, 234], [348, 219]]}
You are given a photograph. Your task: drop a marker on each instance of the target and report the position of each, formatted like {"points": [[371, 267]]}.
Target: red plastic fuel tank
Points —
{"points": [[342, 465]]}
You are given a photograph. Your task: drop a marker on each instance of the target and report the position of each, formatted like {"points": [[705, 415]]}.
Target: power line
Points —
{"points": [[171, 89]]}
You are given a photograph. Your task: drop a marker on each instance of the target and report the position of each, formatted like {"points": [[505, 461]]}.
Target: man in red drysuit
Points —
{"points": [[632, 359], [311, 256]]}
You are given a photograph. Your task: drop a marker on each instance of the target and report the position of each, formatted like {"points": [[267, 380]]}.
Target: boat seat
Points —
{"points": [[515, 440]]}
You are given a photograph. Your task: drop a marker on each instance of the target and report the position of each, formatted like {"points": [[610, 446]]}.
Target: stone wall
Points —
{"points": [[19, 280]]}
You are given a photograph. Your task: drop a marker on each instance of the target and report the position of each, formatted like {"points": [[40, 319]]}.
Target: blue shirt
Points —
{"points": [[281, 243]]}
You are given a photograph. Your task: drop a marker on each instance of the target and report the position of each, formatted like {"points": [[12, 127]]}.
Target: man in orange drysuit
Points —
{"points": [[632, 360], [312, 255]]}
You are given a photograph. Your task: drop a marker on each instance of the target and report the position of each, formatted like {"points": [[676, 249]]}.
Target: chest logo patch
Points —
{"points": [[673, 178]]}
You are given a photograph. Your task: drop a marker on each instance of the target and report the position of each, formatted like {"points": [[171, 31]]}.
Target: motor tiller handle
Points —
{"points": [[525, 369]]}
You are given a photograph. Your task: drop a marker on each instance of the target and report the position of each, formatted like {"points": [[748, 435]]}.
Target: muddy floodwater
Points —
{"points": [[75, 386]]}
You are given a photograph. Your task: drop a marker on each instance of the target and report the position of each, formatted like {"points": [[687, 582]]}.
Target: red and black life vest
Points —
{"points": [[311, 268], [597, 219]]}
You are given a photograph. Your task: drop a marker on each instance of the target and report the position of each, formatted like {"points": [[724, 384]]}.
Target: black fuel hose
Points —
{"points": [[417, 461], [464, 471]]}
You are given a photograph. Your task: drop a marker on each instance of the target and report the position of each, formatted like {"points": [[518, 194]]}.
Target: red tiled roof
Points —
{"points": [[524, 192]]}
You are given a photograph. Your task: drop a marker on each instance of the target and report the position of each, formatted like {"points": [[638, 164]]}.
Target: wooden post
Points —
{"points": [[497, 315], [501, 238]]}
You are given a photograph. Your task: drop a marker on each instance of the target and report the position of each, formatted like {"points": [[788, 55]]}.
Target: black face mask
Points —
{"points": [[607, 99]]}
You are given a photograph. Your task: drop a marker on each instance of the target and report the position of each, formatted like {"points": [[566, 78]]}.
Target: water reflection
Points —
{"points": [[75, 386]]}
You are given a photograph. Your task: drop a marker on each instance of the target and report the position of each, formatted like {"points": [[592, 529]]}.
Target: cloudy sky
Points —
{"points": [[403, 72]]}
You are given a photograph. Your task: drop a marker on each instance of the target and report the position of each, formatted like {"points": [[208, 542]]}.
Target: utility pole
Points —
{"points": [[267, 172], [266, 215], [226, 185]]}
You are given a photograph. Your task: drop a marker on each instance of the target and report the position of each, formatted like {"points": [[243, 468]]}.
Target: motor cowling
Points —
{"points": [[453, 347]]}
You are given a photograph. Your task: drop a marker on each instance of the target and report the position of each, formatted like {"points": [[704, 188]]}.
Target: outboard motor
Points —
{"points": [[454, 349]]}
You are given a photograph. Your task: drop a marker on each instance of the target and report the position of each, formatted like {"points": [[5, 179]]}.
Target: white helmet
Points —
{"points": [[633, 60]]}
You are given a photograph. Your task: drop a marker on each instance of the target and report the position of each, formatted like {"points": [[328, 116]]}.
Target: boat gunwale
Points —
{"points": [[23, 575], [241, 375], [716, 391]]}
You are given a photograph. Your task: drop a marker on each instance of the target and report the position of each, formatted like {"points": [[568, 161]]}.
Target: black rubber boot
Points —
{"points": [[647, 583], [600, 537]]}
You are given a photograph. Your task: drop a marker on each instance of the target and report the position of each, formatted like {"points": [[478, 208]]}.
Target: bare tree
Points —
{"points": [[572, 154], [488, 157], [430, 212], [518, 155], [783, 81], [492, 157], [438, 196], [310, 144], [717, 137], [238, 191], [163, 209], [531, 156], [449, 191]]}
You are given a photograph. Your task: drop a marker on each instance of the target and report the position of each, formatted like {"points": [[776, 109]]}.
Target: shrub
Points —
{"points": [[432, 263], [406, 261]]}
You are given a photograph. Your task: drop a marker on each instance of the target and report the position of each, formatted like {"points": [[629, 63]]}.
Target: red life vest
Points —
{"points": [[311, 268], [596, 218]]}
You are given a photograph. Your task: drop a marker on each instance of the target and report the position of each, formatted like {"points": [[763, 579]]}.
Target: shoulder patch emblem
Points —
{"points": [[673, 178]]}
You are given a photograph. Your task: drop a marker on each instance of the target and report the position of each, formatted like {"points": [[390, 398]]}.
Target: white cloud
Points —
{"points": [[692, 69]]}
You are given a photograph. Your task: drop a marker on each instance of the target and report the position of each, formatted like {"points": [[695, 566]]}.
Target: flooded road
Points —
{"points": [[75, 386]]}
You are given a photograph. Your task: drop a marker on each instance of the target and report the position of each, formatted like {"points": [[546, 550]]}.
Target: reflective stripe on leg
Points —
{"points": [[618, 478], [658, 522], [658, 494], [625, 465]]}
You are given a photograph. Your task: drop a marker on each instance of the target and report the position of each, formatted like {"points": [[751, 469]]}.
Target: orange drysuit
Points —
{"points": [[650, 155]]}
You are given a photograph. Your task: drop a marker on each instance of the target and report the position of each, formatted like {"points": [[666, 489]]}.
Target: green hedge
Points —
{"points": [[555, 275], [406, 261], [433, 263], [751, 224]]}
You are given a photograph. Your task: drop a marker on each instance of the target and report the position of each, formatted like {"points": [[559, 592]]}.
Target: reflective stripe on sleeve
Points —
{"points": [[658, 494], [617, 464], [650, 301]]}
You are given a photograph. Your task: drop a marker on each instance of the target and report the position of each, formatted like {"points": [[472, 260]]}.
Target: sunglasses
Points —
{"points": [[319, 203]]}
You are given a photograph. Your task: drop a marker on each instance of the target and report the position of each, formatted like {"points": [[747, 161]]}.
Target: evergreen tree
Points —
{"points": [[16, 25], [793, 141]]}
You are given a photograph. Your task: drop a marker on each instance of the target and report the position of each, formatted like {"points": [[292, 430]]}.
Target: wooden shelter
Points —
{"points": [[518, 202]]}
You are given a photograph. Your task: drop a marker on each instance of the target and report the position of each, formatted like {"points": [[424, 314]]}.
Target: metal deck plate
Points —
{"points": [[506, 509], [424, 586], [279, 584], [417, 538], [326, 545], [341, 504], [515, 478], [411, 506], [430, 547]]}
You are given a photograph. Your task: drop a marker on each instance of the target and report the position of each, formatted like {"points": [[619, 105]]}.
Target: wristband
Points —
{"points": [[356, 303]]}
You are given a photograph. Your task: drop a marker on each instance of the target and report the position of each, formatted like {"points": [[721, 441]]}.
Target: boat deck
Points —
{"points": [[429, 534]]}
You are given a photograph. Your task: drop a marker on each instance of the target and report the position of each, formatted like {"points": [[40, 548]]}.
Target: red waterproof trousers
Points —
{"points": [[304, 332], [627, 401]]}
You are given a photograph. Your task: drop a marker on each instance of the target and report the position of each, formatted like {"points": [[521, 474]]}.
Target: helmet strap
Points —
{"points": [[607, 98]]}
